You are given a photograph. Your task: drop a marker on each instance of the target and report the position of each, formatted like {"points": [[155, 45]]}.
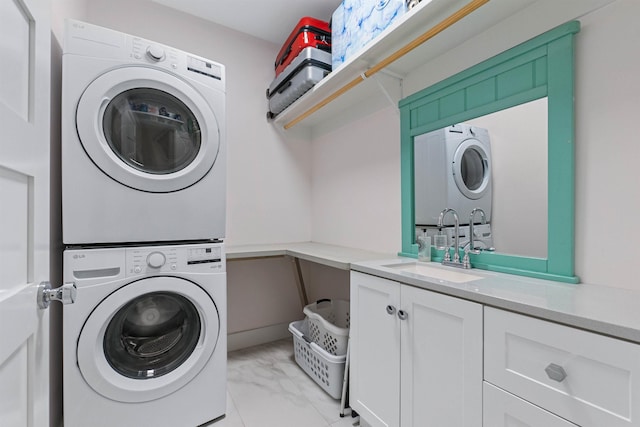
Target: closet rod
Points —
{"points": [[435, 30]]}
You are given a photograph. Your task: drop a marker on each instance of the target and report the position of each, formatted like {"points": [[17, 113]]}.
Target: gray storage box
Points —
{"points": [[309, 67]]}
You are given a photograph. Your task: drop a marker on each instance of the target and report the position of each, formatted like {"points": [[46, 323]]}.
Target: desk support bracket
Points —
{"points": [[304, 300]]}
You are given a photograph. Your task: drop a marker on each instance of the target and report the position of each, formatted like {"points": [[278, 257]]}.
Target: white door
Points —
{"points": [[441, 349], [375, 349], [152, 131], [161, 333], [24, 211]]}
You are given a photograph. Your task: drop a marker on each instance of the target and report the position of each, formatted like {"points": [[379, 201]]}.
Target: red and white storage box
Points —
{"points": [[309, 32], [307, 69], [356, 22]]}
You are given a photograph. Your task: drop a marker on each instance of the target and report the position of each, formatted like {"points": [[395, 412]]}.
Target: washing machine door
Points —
{"points": [[148, 129], [471, 168], [148, 339]]}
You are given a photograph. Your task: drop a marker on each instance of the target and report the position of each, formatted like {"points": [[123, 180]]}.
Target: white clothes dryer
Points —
{"points": [[143, 140], [145, 342], [452, 169]]}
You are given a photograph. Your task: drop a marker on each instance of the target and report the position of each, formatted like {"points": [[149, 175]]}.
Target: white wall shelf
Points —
{"points": [[422, 18]]}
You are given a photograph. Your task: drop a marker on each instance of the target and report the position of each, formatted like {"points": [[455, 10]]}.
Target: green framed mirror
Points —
{"points": [[540, 68]]}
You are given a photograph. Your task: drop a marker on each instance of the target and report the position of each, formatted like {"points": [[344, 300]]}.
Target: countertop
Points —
{"points": [[606, 310], [334, 256]]}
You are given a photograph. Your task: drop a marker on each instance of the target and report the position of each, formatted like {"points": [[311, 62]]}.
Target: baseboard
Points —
{"points": [[244, 339]]}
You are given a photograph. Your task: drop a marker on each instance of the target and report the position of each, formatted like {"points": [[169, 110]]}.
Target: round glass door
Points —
{"points": [[471, 169], [148, 339], [152, 335], [148, 129], [151, 130]]}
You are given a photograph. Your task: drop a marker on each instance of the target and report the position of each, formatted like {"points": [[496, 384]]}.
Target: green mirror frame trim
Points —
{"points": [[542, 66]]}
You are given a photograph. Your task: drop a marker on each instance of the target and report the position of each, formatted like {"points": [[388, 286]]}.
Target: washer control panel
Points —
{"points": [[206, 257]]}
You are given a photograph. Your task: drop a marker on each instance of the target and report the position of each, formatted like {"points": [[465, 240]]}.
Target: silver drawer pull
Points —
{"points": [[556, 372], [391, 310], [403, 314]]}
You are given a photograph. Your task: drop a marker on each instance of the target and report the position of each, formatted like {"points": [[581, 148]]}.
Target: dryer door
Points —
{"points": [[471, 169], [148, 339], [148, 129]]}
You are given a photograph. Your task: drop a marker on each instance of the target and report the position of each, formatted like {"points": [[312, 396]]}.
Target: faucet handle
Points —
{"points": [[466, 262], [456, 255], [447, 255], [468, 249]]}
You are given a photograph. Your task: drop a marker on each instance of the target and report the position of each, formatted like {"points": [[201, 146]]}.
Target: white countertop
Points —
{"points": [[606, 310], [334, 256]]}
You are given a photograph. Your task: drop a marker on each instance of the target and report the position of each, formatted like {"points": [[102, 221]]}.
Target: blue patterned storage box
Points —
{"points": [[356, 22]]}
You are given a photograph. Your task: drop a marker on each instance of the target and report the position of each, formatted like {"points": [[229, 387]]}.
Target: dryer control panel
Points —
{"points": [[206, 258]]}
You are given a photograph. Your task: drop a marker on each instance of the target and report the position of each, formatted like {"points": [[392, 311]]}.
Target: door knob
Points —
{"points": [[65, 294]]}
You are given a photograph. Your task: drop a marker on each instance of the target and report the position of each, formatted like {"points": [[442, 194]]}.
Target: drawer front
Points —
{"points": [[586, 378], [502, 409]]}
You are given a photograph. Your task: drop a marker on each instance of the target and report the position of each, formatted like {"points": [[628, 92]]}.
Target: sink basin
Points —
{"points": [[434, 272]]}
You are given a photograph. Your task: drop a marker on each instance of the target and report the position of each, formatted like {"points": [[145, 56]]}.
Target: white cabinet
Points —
{"points": [[585, 378], [416, 356], [375, 349], [502, 409]]}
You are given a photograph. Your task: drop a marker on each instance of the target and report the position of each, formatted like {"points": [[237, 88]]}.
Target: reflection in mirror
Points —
{"points": [[498, 163]]}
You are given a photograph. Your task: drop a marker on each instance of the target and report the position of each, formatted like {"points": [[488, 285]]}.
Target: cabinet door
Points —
{"points": [[586, 378], [441, 373], [502, 409], [375, 350]]}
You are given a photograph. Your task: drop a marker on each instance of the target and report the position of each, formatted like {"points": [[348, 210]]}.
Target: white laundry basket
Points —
{"points": [[329, 324], [325, 369]]}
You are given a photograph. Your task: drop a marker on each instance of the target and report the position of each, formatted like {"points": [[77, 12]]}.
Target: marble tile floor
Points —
{"points": [[266, 388]]}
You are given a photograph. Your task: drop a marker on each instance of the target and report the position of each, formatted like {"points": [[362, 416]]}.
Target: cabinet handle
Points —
{"points": [[556, 372], [391, 310], [403, 314]]}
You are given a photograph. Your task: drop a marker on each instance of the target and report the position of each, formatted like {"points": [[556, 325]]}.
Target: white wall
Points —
{"points": [[607, 149], [607, 146], [356, 184]]}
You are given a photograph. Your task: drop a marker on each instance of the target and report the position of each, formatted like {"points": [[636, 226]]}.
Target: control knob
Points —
{"points": [[155, 52], [156, 259]]}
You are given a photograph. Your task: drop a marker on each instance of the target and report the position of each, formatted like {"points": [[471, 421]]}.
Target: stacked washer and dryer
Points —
{"points": [[452, 169], [143, 208]]}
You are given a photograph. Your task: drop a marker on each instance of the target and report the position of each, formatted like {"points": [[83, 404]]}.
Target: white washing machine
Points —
{"points": [[145, 342], [452, 169], [143, 140]]}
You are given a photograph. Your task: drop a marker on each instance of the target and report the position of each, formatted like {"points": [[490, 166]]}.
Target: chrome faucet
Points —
{"points": [[466, 262], [447, 256], [483, 219]]}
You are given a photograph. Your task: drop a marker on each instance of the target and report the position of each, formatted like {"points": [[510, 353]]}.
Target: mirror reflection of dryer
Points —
{"points": [[146, 336], [143, 140], [452, 169]]}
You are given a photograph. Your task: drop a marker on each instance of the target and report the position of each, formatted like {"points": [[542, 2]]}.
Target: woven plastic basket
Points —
{"points": [[329, 324], [325, 369]]}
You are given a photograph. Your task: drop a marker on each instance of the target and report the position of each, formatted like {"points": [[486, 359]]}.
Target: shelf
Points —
{"points": [[421, 18], [427, 16]]}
